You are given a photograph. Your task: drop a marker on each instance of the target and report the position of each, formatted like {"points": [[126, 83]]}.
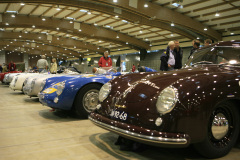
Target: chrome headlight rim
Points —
{"points": [[43, 84], [15, 81], [104, 91], [60, 88], [174, 101]]}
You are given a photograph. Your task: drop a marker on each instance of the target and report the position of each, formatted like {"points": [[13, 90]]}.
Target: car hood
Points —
{"points": [[138, 87]]}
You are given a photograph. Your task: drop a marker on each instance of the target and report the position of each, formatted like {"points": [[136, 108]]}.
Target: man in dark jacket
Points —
{"points": [[179, 54], [168, 58], [196, 45]]}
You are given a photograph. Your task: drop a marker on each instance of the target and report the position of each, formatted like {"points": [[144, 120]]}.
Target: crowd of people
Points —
{"points": [[7, 67], [171, 58]]}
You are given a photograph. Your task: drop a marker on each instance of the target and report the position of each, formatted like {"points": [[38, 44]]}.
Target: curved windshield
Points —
{"points": [[215, 55]]}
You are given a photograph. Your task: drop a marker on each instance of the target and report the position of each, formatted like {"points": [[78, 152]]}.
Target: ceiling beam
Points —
{"points": [[141, 15], [62, 42], [89, 31]]}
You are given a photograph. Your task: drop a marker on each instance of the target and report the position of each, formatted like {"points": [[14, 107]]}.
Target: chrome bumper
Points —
{"points": [[162, 141]]}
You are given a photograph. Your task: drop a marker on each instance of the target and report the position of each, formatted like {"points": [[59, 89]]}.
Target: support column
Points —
{"points": [[2, 57], [26, 60]]}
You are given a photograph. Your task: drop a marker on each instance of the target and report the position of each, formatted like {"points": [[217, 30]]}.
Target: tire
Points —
{"points": [[82, 104], [221, 136]]}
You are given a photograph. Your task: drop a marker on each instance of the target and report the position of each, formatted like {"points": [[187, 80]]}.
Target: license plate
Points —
{"points": [[119, 115]]}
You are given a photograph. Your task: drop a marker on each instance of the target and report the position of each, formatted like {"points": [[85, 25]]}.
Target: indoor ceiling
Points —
{"points": [[86, 28]]}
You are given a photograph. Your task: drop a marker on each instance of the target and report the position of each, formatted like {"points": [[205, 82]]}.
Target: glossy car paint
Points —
{"points": [[73, 84], [200, 89], [2, 75]]}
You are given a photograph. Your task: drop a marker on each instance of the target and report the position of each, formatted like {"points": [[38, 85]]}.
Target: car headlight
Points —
{"points": [[25, 82], [32, 85], [42, 85], [60, 88], [15, 81], [104, 91], [167, 100]]}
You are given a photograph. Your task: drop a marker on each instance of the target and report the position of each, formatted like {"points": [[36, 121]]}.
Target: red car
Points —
{"points": [[3, 74]]}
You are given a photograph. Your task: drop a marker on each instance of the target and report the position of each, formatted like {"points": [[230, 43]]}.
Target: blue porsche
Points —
{"points": [[78, 93]]}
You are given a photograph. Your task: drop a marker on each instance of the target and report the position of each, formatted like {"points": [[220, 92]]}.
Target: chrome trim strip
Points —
{"points": [[176, 141]]}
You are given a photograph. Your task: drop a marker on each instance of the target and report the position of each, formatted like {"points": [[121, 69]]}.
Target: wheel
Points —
{"points": [[222, 133], [86, 100]]}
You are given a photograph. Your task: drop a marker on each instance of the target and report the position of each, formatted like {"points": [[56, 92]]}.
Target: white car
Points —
{"points": [[9, 77], [17, 82], [33, 85]]}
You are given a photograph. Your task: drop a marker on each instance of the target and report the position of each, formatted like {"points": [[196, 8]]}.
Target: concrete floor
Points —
{"points": [[29, 131]]}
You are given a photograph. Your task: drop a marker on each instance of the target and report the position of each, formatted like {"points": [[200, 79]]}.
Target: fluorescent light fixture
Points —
{"points": [[177, 5], [107, 26], [82, 10], [15, 12], [70, 18], [124, 21]]}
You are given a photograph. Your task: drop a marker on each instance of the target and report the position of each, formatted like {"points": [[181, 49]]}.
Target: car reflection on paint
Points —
{"points": [[196, 105]]}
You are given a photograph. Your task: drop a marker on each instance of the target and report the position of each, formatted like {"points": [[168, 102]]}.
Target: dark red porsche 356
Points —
{"points": [[198, 105]]}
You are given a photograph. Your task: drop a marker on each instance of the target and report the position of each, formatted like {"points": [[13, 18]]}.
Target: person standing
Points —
{"points": [[12, 66], [105, 61], [179, 54], [133, 68], [196, 46], [4, 68], [168, 58], [1, 68], [53, 68], [42, 63]]}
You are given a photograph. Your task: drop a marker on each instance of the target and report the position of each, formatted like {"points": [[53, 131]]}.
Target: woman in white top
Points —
{"points": [[53, 68]]}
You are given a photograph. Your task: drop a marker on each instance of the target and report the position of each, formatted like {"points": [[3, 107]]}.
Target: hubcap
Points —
{"points": [[220, 126], [90, 100]]}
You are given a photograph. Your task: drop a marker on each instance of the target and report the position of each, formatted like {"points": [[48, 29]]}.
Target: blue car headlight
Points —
{"points": [[60, 88], [167, 100]]}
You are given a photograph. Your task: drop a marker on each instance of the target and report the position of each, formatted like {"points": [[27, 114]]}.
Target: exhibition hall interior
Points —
{"points": [[119, 79]]}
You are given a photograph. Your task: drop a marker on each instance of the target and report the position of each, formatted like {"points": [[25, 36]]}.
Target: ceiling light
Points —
{"points": [[126, 42], [13, 15], [145, 5], [71, 22], [26, 32], [57, 38], [7, 24], [58, 9], [57, 28], [98, 48], [172, 24], [198, 38], [79, 30], [20, 36], [217, 14], [33, 26], [116, 16], [39, 37], [150, 45], [115, 1], [89, 12], [22, 4], [82, 10], [117, 36], [171, 34], [140, 31], [205, 29], [232, 33], [177, 5], [43, 19]]}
